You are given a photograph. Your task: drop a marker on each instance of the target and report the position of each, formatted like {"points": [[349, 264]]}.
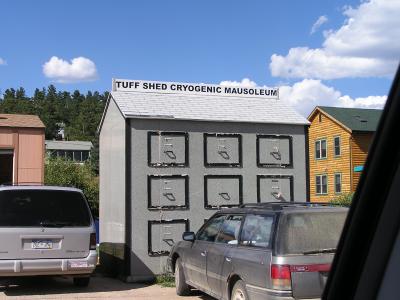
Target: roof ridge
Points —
{"points": [[348, 108], [196, 95], [235, 108]]}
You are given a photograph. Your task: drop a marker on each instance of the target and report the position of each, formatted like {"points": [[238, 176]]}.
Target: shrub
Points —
{"points": [[165, 280], [62, 172], [343, 200]]}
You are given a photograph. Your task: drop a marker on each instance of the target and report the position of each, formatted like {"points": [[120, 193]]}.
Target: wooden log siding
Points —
{"points": [[329, 129], [360, 144]]}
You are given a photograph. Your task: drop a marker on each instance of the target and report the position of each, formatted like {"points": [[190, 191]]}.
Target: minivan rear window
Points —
{"points": [[47, 208], [310, 232]]}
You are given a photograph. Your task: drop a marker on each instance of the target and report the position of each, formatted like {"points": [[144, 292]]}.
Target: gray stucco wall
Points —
{"points": [[142, 264], [112, 177]]}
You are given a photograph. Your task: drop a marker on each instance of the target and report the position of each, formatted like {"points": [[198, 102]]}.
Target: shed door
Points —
{"points": [[275, 188], [164, 234], [223, 149], [223, 190], [168, 192], [6, 166], [274, 151], [168, 148]]}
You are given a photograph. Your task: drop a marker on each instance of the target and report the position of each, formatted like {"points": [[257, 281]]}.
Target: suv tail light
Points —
{"points": [[93, 242], [280, 277]]}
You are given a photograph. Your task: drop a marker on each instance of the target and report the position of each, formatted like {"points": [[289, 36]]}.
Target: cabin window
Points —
{"points": [[338, 183], [319, 118], [77, 156], [60, 153], [320, 149], [321, 184], [69, 154], [85, 155], [336, 142]]}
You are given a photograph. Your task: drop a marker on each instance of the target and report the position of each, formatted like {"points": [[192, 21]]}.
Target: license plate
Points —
{"points": [[42, 244], [78, 264]]}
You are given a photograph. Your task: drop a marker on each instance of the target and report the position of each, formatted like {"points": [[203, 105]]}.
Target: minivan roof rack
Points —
{"points": [[282, 205]]}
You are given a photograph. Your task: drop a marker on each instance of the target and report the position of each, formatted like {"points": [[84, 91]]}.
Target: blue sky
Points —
{"points": [[200, 41]]}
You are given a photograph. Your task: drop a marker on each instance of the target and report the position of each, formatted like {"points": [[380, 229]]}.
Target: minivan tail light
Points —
{"points": [[280, 277], [93, 241]]}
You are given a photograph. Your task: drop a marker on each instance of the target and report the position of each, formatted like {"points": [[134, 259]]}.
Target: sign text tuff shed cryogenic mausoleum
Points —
{"points": [[201, 89], [171, 154]]}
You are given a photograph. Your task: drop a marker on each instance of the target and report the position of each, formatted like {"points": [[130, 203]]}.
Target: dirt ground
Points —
{"points": [[99, 288]]}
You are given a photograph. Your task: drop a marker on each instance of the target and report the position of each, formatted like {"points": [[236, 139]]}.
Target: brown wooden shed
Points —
{"points": [[21, 149]]}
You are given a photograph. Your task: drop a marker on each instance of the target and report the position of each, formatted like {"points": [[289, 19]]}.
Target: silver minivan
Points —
{"points": [[46, 231]]}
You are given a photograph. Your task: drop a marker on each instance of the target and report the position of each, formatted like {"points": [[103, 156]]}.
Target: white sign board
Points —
{"points": [[123, 85]]}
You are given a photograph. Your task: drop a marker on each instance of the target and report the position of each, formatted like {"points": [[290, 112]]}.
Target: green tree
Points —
{"points": [[94, 156], [15, 101], [49, 113], [9, 94], [343, 200], [62, 172], [78, 114], [20, 94]]}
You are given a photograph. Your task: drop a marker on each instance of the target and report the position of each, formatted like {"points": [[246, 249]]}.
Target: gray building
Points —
{"points": [[78, 151], [171, 154]]}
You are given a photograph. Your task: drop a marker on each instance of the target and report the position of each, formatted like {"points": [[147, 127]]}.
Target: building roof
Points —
{"points": [[355, 119], [25, 121], [206, 108], [68, 145]]}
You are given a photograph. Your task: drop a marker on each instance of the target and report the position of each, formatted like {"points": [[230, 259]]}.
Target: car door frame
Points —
{"points": [[195, 253], [264, 254], [226, 262], [373, 222]]}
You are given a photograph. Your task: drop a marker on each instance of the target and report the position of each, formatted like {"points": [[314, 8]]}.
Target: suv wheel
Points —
{"points": [[182, 289], [239, 291], [81, 281]]}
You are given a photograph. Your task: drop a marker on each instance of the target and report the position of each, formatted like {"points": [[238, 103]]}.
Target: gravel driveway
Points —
{"points": [[99, 288]]}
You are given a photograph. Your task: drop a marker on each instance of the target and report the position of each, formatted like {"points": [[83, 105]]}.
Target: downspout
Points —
{"points": [[351, 163], [128, 200], [306, 129]]}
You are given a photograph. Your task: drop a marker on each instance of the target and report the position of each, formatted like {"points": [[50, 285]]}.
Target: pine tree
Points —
{"points": [[79, 113]]}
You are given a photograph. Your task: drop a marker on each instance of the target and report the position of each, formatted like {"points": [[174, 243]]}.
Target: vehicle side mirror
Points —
{"points": [[188, 236]]}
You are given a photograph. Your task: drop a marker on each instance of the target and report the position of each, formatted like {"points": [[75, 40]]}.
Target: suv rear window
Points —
{"points": [[309, 232], [48, 208]]}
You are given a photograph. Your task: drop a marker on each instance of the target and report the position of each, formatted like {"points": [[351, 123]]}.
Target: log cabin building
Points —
{"points": [[339, 139]]}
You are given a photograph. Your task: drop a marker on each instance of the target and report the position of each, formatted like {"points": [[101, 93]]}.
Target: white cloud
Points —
{"points": [[321, 20], [366, 102], [305, 95], [2, 62], [244, 83], [79, 69], [371, 30], [317, 63], [308, 93], [365, 46]]}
